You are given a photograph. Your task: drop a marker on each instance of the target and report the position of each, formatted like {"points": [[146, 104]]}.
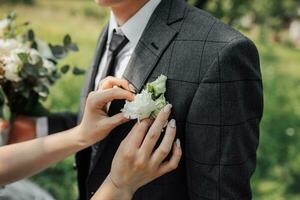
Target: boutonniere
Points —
{"points": [[149, 102]]}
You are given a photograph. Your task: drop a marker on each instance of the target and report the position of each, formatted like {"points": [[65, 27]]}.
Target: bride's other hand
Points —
{"points": [[137, 162], [96, 124]]}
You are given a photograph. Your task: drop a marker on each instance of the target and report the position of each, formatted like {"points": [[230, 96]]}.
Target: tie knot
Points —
{"points": [[117, 43]]}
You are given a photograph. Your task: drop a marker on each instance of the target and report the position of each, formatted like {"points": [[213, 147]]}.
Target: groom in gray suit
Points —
{"points": [[215, 87]]}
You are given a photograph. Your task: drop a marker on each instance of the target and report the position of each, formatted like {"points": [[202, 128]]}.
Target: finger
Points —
{"points": [[110, 82], [100, 99], [156, 129], [114, 121], [172, 164], [116, 93], [165, 146], [138, 132]]}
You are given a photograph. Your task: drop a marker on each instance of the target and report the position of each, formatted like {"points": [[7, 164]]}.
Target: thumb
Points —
{"points": [[116, 120]]}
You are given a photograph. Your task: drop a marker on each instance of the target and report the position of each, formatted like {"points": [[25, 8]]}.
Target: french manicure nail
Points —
{"points": [[172, 123], [178, 143], [131, 88], [167, 108]]}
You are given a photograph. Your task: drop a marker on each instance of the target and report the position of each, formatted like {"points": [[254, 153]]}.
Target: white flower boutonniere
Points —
{"points": [[149, 102]]}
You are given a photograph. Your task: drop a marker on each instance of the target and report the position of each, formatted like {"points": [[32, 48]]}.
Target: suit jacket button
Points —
{"points": [[74, 166]]}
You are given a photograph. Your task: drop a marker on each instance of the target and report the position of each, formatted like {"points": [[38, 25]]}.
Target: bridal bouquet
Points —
{"points": [[28, 68]]}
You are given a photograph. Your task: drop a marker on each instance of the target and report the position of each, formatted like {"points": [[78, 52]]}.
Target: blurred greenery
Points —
{"points": [[278, 169]]}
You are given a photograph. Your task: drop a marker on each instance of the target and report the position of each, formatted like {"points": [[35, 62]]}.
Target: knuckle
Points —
{"points": [[154, 135], [123, 81], [164, 151], [116, 90], [173, 165], [140, 164], [90, 97], [91, 94], [162, 116], [147, 122], [178, 154], [109, 78], [143, 124], [110, 92], [128, 155]]}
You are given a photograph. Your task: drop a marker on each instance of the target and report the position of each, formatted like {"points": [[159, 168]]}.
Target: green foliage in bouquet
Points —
{"points": [[29, 67]]}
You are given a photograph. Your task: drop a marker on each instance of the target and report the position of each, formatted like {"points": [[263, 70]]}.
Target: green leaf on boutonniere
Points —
{"points": [[158, 86]]}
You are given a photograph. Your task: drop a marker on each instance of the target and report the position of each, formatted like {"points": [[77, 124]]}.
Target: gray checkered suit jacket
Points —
{"points": [[214, 83]]}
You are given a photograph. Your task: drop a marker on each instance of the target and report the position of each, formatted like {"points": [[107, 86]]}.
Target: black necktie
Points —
{"points": [[117, 43]]}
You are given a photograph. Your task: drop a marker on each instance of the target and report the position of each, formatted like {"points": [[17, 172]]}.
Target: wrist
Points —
{"points": [[81, 137], [124, 193]]}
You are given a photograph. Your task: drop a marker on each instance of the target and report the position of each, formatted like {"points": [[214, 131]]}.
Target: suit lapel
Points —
{"points": [[156, 38], [100, 49], [147, 53], [91, 75]]}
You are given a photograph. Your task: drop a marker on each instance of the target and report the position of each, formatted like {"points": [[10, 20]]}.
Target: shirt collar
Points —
{"points": [[135, 26]]}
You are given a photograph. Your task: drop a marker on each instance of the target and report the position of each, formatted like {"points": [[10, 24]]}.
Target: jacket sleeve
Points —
{"points": [[222, 128]]}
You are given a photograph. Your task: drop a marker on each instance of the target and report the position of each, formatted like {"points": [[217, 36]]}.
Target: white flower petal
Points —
{"points": [[140, 108]]}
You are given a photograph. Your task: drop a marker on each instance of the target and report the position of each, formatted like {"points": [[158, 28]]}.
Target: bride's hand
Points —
{"points": [[96, 124], [137, 162]]}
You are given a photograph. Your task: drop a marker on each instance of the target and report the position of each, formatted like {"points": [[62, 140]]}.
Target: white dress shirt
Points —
{"points": [[133, 30]]}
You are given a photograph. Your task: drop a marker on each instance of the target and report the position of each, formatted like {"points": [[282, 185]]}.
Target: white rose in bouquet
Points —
{"points": [[44, 49], [49, 65], [9, 46], [9, 50], [11, 67]]}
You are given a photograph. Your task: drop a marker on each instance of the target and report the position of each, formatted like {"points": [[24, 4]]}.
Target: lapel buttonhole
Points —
{"points": [[154, 45]]}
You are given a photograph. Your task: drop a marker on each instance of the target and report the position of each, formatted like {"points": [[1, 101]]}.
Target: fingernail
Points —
{"points": [[178, 143], [172, 123], [167, 108], [131, 88]]}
